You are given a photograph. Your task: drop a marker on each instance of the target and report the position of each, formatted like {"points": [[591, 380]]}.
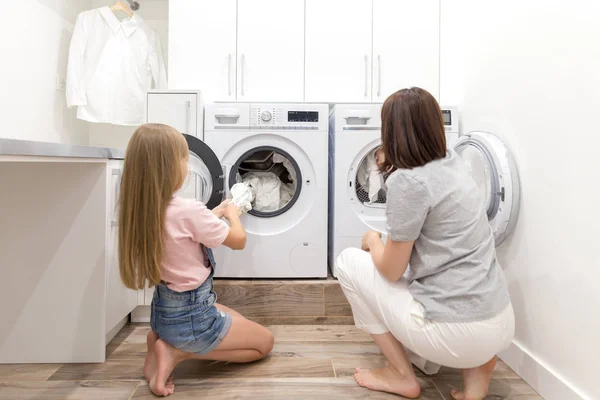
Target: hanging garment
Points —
{"points": [[242, 196], [111, 67], [370, 178]]}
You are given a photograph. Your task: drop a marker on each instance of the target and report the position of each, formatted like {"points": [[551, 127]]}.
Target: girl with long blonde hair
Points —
{"points": [[165, 241]]}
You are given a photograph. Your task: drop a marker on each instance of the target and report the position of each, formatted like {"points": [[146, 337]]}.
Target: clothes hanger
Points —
{"points": [[120, 6]]}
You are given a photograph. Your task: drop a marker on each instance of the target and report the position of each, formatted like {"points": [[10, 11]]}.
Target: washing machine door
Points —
{"points": [[205, 178], [495, 173]]}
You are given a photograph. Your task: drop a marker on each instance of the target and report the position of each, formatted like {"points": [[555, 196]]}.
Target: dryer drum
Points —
{"points": [[274, 177], [362, 181]]}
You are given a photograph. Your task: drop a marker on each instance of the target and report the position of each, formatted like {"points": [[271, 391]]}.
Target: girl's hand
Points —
{"points": [[219, 210], [232, 212], [368, 238]]}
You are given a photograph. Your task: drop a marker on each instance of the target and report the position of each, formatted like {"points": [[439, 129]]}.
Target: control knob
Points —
{"points": [[266, 116]]}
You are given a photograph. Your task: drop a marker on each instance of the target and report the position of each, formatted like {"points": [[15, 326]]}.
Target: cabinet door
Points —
{"points": [[202, 47], [178, 110], [270, 50], [338, 50], [120, 301], [406, 46]]}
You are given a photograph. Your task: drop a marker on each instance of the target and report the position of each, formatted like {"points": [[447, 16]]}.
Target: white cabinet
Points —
{"points": [[405, 46], [202, 47], [338, 50], [180, 109], [270, 50], [120, 301]]}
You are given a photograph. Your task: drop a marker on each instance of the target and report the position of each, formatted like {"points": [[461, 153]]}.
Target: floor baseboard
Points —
{"points": [[542, 379]]}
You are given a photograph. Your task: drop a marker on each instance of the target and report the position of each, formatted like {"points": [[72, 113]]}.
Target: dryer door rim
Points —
{"points": [[215, 169]]}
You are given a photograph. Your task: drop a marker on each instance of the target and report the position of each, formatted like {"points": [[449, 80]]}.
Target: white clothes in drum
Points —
{"points": [[370, 178], [381, 306]]}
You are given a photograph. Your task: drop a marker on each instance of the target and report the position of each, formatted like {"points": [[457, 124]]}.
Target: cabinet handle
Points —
{"points": [[229, 74], [188, 105], [366, 73], [115, 209], [242, 62], [378, 75]]}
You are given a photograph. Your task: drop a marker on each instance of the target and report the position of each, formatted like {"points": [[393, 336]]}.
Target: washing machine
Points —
{"points": [[286, 238], [354, 136]]}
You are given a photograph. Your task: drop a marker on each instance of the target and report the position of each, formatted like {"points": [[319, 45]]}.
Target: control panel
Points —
{"points": [[287, 116]]}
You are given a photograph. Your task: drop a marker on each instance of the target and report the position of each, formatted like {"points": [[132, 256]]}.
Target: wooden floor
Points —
{"points": [[308, 362]]}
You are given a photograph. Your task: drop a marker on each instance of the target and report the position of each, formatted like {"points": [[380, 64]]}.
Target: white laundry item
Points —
{"points": [[242, 196], [370, 178], [111, 67], [278, 158], [266, 188]]}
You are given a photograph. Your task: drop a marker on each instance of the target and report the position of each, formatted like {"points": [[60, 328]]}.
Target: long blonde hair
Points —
{"points": [[152, 173]]}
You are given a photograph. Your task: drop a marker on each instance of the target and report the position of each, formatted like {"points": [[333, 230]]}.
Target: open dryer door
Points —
{"points": [[495, 173], [205, 178]]}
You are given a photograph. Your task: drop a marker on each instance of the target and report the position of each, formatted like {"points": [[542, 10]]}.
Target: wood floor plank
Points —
{"points": [[335, 302], [326, 350], [27, 372], [114, 390], [316, 333], [271, 367], [505, 389], [273, 299], [277, 389], [317, 320], [128, 369]]}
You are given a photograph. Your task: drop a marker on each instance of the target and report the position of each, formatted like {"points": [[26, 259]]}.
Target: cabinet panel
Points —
{"points": [[178, 110], [405, 46], [338, 50], [120, 301], [202, 47], [270, 50]]}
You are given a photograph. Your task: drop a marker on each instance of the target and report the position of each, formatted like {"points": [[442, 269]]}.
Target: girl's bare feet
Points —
{"points": [[388, 380], [476, 382], [167, 357], [150, 364]]}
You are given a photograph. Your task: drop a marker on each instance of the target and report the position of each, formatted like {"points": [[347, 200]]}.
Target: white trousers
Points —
{"points": [[381, 306]]}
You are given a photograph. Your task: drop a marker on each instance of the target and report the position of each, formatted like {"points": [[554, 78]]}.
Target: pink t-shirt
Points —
{"points": [[188, 224]]}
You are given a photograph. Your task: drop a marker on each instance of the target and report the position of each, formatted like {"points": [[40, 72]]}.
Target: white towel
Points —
{"points": [[242, 196], [370, 178]]}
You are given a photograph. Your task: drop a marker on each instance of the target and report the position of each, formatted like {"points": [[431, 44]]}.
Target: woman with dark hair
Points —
{"points": [[452, 307]]}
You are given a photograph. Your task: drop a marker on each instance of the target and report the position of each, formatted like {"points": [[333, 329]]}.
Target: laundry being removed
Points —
{"points": [[266, 180]]}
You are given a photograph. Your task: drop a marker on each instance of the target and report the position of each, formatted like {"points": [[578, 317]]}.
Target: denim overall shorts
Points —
{"points": [[189, 321]]}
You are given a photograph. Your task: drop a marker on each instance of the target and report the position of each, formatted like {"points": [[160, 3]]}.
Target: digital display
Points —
{"points": [[447, 117], [303, 116]]}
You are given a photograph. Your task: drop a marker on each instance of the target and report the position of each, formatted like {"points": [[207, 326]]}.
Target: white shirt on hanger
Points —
{"points": [[111, 67]]}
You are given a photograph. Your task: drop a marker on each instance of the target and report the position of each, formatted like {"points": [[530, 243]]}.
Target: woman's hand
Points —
{"points": [[232, 212], [368, 240], [219, 210]]}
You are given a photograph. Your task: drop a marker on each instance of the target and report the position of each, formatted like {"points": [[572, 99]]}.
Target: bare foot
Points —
{"points": [[167, 357], [388, 380], [150, 364], [476, 382]]}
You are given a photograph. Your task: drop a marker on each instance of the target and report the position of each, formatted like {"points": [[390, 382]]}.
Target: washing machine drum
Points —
{"points": [[205, 178], [495, 173]]}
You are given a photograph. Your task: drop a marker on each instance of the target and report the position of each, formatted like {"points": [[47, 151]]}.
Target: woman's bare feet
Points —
{"points": [[388, 380], [476, 382], [167, 357]]}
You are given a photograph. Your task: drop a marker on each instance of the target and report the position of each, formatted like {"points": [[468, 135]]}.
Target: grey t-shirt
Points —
{"points": [[453, 271]]}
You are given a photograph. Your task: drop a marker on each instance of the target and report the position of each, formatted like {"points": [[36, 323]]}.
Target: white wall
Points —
{"points": [[530, 72], [34, 38], [156, 14]]}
